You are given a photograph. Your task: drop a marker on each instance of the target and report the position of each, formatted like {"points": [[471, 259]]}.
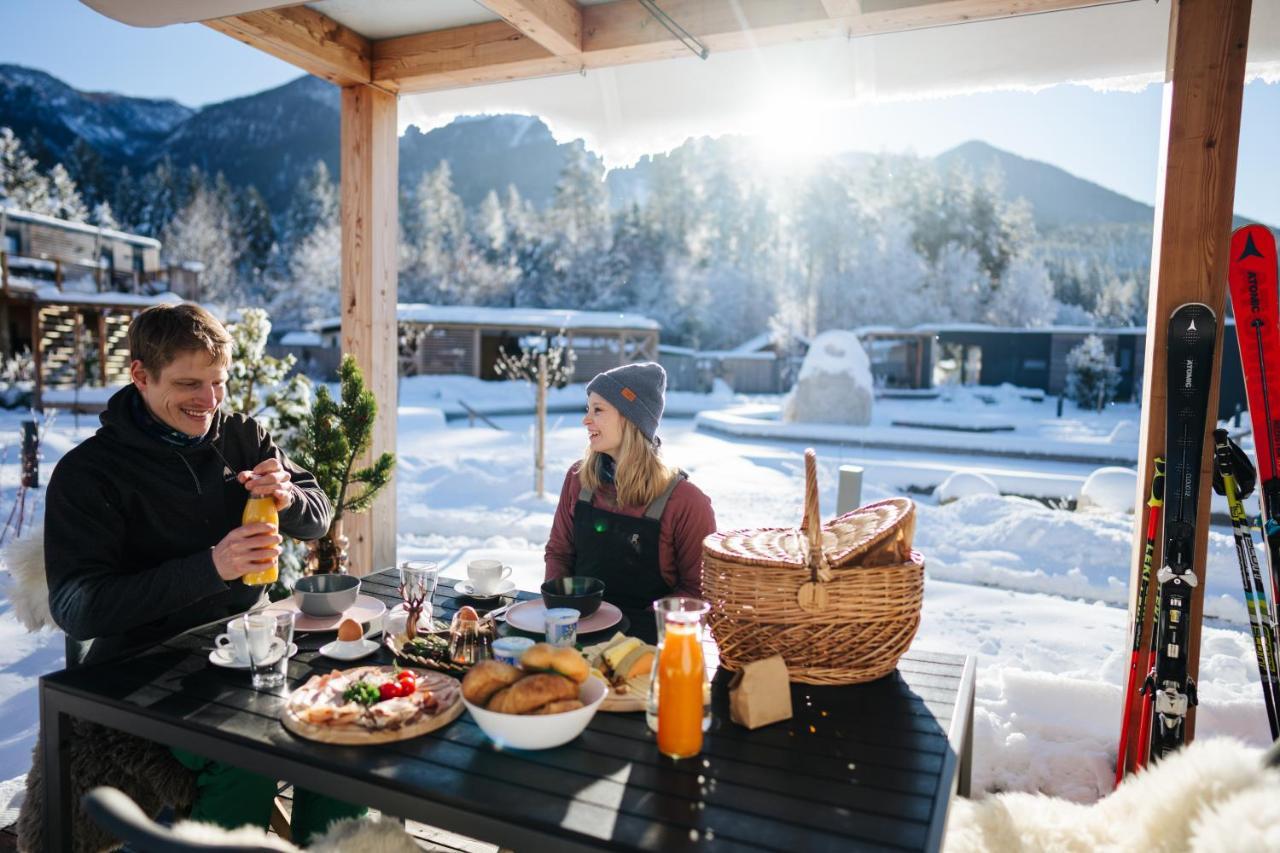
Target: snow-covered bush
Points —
{"points": [[1112, 489], [963, 484], [1092, 375], [834, 385]]}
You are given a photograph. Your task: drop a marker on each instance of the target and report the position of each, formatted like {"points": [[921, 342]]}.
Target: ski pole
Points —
{"points": [[1251, 577], [1154, 503]]}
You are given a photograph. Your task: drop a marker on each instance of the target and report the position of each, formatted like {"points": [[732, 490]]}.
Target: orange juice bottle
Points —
{"points": [[261, 510], [680, 678]]}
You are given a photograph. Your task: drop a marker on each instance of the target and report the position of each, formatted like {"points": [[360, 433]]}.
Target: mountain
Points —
{"points": [[269, 139], [39, 106], [1057, 197]]}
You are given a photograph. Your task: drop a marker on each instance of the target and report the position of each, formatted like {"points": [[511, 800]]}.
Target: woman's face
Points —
{"points": [[604, 425]]}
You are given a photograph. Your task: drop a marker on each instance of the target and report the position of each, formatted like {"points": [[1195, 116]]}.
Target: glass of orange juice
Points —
{"points": [[262, 510], [678, 697]]}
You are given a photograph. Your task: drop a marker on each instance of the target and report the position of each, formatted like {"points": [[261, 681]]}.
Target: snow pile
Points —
{"points": [[1124, 432], [834, 385], [963, 484], [1111, 489]]}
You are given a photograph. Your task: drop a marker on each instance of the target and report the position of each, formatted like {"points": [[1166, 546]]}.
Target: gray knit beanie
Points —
{"points": [[638, 391]]}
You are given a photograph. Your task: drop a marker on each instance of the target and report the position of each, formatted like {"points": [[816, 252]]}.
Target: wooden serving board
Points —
{"points": [[448, 693], [623, 703]]}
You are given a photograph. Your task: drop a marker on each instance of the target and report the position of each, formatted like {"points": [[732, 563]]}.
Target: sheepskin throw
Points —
{"points": [[29, 591], [1214, 796]]}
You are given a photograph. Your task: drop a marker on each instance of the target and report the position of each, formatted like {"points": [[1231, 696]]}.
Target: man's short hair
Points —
{"points": [[161, 333]]}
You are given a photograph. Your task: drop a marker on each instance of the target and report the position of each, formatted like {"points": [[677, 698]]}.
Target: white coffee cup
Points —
{"points": [[487, 575], [234, 641]]}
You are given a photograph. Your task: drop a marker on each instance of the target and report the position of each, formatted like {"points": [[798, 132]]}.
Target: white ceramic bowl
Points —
{"points": [[541, 731]]}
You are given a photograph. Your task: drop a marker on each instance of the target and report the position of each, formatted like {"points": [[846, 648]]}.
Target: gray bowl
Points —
{"points": [[326, 595]]}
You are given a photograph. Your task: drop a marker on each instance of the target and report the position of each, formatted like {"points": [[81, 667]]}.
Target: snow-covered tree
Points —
{"points": [[64, 198], [1117, 304], [1092, 375], [313, 285], [21, 184], [1024, 297], [255, 236], [260, 385], [103, 216], [157, 200], [314, 203], [202, 232]]}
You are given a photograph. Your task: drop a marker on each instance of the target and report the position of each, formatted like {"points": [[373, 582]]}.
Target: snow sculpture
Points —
{"points": [[963, 484], [834, 385], [1111, 489]]}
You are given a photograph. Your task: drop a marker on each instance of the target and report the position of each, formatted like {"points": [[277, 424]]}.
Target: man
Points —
{"points": [[142, 524]]}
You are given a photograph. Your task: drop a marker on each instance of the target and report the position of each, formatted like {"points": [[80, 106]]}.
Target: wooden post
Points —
{"points": [[369, 234], [57, 272], [6, 342], [77, 347], [37, 357], [102, 347], [1199, 138], [476, 342], [540, 428]]}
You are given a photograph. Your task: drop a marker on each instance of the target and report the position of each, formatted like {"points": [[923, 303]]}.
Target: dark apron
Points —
{"points": [[622, 551]]}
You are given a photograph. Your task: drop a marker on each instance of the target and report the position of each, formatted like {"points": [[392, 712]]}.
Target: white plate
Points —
{"points": [[354, 650], [220, 657], [531, 616], [464, 587]]}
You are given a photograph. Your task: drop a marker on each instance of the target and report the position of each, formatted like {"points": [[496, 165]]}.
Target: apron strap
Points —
{"points": [[659, 504], [585, 494]]}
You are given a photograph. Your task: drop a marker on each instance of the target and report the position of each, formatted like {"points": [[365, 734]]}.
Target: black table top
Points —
{"points": [[869, 766]]}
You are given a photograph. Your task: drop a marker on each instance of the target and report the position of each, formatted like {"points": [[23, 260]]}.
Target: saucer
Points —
{"points": [[365, 610], [356, 649], [531, 616], [220, 657], [464, 587]]}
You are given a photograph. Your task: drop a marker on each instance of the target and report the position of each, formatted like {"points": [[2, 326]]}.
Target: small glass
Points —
{"points": [[561, 624], [680, 668], [418, 579], [268, 634]]}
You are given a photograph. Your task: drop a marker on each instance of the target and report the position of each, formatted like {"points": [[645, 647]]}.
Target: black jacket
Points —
{"points": [[130, 525]]}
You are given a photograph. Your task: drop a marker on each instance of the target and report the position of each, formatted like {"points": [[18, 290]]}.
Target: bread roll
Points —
{"points": [[544, 657], [560, 707], [487, 678], [533, 692]]}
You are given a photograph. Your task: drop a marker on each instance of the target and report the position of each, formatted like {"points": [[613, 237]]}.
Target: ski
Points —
{"points": [[1227, 460], [1192, 331], [1254, 298], [1154, 503]]}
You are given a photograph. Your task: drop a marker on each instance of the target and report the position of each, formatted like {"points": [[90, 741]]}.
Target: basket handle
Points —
{"points": [[811, 524]]}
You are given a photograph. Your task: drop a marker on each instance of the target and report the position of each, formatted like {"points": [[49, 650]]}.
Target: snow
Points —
{"points": [[1111, 489], [834, 384], [964, 484], [534, 318], [85, 394], [1037, 594], [301, 339]]}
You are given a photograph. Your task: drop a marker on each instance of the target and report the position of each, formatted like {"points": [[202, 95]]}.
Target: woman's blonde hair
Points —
{"points": [[639, 475]]}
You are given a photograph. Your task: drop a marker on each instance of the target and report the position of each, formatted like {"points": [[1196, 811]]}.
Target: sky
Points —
{"points": [[1110, 138]]}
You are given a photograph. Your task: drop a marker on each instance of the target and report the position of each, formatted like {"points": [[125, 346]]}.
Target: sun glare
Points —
{"points": [[790, 132]]}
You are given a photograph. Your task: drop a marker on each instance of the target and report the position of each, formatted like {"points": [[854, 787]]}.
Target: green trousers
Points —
{"points": [[231, 797]]}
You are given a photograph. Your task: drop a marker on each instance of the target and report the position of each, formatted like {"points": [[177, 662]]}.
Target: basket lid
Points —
{"points": [[877, 534]]}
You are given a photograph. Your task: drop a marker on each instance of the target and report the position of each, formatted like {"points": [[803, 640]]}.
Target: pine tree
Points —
{"points": [[156, 200], [314, 203], [260, 385], [21, 184], [84, 164], [255, 236], [64, 198], [1092, 375]]}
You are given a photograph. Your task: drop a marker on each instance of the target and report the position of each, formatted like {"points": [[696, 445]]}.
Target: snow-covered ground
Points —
{"points": [[1036, 593]]}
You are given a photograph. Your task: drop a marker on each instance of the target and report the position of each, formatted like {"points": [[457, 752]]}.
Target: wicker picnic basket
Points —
{"points": [[840, 602]]}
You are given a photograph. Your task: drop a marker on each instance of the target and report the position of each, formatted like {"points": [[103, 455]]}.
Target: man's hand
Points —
{"points": [[246, 549], [269, 479]]}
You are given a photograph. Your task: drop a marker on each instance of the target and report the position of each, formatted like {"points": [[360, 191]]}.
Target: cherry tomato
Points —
{"points": [[388, 691], [407, 688], [406, 675]]}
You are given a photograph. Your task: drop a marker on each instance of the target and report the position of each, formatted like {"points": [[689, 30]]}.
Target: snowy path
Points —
{"points": [[1036, 594]]}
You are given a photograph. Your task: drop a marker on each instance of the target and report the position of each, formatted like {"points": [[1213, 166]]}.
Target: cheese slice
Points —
{"points": [[617, 653]]}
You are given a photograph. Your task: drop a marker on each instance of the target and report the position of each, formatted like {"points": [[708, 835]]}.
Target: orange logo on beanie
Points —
{"points": [[629, 394]]}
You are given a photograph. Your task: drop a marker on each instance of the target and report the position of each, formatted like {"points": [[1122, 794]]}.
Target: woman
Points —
{"points": [[625, 516]]}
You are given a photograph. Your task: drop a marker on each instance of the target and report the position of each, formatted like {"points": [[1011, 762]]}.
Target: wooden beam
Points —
{"points": [[841, 8], [370, 214], [1200, 134], [554, 24], [303, 37], [623, 32]]}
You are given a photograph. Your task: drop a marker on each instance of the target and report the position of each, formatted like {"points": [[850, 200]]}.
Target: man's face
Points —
{"points": [[185, 393]]}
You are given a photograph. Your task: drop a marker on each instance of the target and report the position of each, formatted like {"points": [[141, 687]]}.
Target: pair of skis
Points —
{"points": [[1169, 691]]}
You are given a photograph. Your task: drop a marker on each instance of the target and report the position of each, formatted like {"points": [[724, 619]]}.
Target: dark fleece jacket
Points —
{"points": [[130, 525]]}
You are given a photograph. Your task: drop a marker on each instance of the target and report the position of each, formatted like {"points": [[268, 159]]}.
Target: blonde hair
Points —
{"points": [[639, 476]]}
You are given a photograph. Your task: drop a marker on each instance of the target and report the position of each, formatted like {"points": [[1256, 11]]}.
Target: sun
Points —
{"points": [[789, 131]]}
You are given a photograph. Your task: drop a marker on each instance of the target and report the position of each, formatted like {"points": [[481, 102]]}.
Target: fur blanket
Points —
{"points": [[1215, 796], [365, 835], [24, 560]]}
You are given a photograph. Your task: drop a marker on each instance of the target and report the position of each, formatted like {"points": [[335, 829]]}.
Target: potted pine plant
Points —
{"points": [[333, 435]]}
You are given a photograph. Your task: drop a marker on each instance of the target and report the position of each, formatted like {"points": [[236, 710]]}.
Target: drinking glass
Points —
{"points": [[418, 579], [269, 633], [679, 704]]}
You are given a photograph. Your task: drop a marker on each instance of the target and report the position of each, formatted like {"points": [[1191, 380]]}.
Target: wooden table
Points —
{"points": [[871, 766]]}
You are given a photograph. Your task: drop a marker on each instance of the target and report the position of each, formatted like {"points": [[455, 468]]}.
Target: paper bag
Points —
{"points": [[760, 693]]}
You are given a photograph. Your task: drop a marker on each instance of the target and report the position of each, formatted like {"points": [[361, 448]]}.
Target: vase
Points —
{"points": [[328, 554]]}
